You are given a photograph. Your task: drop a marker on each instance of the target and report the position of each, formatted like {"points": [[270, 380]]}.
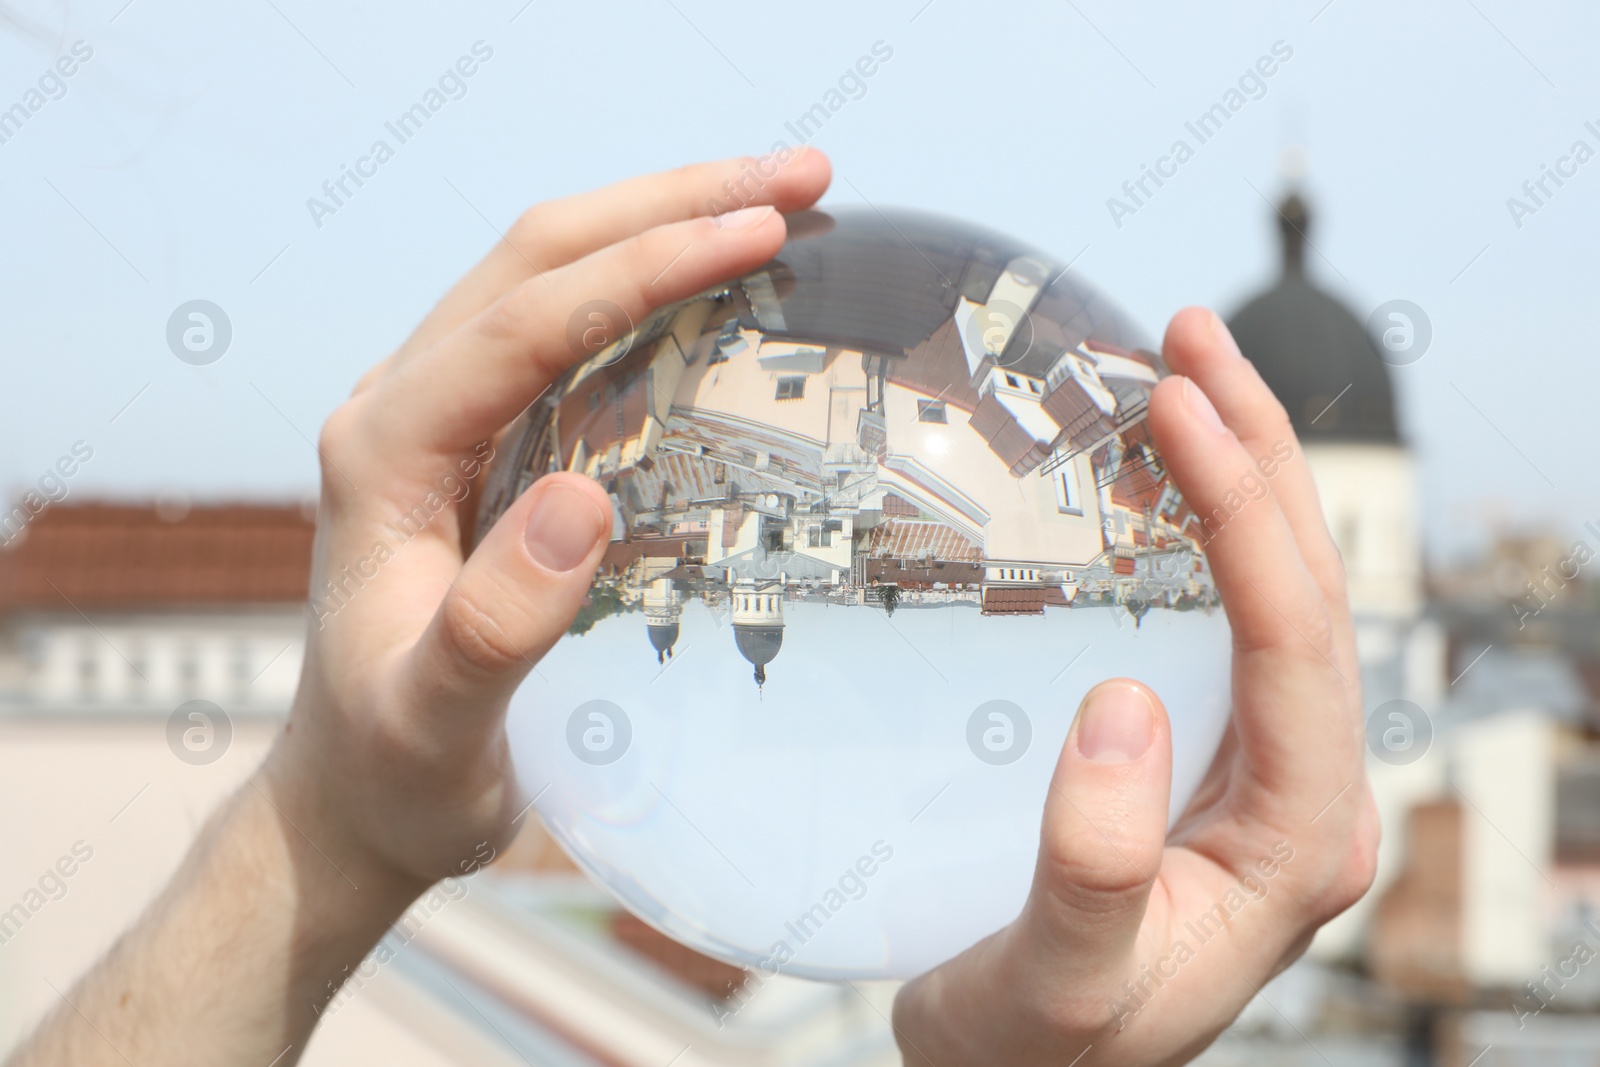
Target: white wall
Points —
{"points": [[1369, 495], [1505, 771], [245, 662]]}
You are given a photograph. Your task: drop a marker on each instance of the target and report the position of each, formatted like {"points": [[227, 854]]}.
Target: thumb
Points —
{"points": [[1105, 825], [515, 596]]}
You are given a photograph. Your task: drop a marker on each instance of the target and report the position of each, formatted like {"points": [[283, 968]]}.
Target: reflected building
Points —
{"points": [[895, 412], [758, 621], [663, 608]]}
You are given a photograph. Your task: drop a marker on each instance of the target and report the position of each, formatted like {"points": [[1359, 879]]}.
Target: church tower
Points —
{"points": [[663, 610], [758, 622], [1315, 356]]}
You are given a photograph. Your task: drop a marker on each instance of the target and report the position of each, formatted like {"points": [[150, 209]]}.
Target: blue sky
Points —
{"points": [[179, 161]]}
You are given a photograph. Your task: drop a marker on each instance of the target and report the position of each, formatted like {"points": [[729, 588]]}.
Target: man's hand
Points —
{"points": [[393, 771], [1137, 946]]}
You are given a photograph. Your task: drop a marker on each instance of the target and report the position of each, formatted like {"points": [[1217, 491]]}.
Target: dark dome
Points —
{"points": [[1312, 351], [758, 644], [662, 636]]}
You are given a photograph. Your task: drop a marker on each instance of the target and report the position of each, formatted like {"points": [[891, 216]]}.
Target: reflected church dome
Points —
{"points": [[662, 637], [758, 623], [663, 607]]}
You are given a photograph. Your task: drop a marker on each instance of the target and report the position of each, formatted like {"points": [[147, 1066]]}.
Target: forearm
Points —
{"points": [[233, 961]]}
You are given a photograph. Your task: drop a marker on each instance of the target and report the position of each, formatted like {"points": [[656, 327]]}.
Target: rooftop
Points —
{"points": [[120, 556]]}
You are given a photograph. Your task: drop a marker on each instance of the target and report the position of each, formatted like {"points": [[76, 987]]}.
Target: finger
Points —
{"points": [[1293, 690], [557, 232], [477, 379], [1199, 346], [512, 601], [1272, 601], [1105, 824]]}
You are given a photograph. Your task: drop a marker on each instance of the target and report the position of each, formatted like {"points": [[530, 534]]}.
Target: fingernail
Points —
{"points": [[1116, 724], [1200, 405], [1224, 336], [563, 528], [743, 218]]}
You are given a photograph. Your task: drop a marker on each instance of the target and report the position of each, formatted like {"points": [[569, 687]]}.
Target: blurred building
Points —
{"points": [[148, 657], [1480, 941], [114, 608], [1313, 352]]}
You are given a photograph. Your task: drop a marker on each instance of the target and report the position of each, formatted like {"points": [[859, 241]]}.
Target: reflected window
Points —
{"points": [[1069, 498], [791, 387], [931, 411]]}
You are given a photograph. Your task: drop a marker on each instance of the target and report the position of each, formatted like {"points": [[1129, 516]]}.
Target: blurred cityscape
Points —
{"points": [[1482, 687]]}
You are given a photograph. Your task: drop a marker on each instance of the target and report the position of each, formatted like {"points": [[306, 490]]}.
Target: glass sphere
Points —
{"points": [[885, 509]]}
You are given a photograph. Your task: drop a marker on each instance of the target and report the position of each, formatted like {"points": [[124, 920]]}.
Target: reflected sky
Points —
{"points": [[737, 807]]}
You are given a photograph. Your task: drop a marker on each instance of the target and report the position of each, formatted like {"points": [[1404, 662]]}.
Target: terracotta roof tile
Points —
{"points": [[920, 539], [1023, 600], [96, 555]]}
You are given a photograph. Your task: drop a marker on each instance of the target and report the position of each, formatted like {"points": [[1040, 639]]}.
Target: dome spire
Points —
{"points": [[1294, 214], [1294, 222]]}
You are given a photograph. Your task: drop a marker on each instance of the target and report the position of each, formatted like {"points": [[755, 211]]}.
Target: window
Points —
{"points": [[1011, 380], [791, 387], [88, 668], [931, 411], [189, 670], [1034, 386], [138, 670], [242, 670], [1069, 497]]}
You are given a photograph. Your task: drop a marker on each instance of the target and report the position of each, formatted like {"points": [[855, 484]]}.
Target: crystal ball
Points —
{"points": [[884, 510]]}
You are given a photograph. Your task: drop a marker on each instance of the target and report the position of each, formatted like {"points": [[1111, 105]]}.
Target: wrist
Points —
{"points": [[326, 852]]}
